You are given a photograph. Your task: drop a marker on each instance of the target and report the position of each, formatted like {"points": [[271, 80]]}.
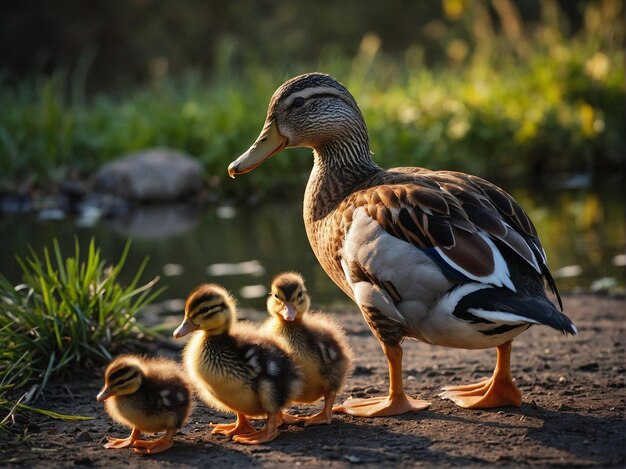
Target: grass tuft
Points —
{"points": [[68, 314]]}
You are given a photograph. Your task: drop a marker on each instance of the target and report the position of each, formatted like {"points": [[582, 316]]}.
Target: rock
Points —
{"points": [[84, 436], [592, 366], [157, 174]]}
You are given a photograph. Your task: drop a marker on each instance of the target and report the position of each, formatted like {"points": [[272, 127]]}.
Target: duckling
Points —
{"points": [[233, 367], [317, 343], [148, 395]]}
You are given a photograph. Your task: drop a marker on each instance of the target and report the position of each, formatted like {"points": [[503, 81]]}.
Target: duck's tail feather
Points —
{"points": [[501, 305]]}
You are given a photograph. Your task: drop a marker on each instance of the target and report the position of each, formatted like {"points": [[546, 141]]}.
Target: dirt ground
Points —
{"points": [[573, 412]]}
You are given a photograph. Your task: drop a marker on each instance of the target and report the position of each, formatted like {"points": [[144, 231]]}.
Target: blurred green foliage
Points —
{"points": [[129, 41], [504, 99]]}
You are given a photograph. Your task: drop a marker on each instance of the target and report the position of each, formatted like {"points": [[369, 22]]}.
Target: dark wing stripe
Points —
{"points": [[440, 232], [514, 240], [486, 219], [412, 231]]}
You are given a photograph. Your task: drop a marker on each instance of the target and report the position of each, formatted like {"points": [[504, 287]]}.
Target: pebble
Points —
{"points": [[84, 436], [593, 366]]}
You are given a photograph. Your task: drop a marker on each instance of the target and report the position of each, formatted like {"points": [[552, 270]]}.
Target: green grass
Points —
{"points": [[67, 315], [496, 106]]}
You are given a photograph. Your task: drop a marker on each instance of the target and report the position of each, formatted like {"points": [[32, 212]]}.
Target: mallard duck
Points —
{"points": [[235, 368], [148, 395], [317, 343], [439, 256]]}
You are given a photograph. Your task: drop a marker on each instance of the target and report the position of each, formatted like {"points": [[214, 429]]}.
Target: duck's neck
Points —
{"points": [[339, 167]]}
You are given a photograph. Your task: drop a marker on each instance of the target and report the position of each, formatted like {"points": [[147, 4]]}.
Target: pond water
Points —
{"points": [[242, 247]]}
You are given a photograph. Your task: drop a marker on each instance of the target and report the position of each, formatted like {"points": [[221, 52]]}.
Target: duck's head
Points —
{"points": [[312, 110], [123, 376], [209, 308], [288, 299]]}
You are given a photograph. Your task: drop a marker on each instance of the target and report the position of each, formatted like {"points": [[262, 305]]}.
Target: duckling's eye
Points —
{"points": [[298, 102], [276, 296]]}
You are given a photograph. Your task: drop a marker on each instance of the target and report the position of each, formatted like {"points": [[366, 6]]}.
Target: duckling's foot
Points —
{"points": [[288, 419], [325, 416], [268, 433], [155, 446], [382, 406], [116, 443], [497, 391], [240, 426], [321, 418]]}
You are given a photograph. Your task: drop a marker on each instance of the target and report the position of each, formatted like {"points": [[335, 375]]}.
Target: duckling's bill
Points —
{"points": [[288, 312], [104, 394], [185, 328], [269, 142]]}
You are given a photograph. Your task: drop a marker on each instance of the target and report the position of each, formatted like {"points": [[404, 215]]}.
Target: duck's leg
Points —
{"points": [[155, 446], [325, 416], [497, 391], [240, 426], [396, 403], [115, 443], [264, 435]]}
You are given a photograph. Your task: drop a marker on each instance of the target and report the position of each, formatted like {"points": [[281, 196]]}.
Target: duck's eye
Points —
{"points": [[298, 102], [276, 296]]}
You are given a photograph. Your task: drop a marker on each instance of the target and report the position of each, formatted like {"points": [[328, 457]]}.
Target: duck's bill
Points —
{"points": [[269, 143]]}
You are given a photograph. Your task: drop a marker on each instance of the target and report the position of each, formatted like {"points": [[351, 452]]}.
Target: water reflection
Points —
{"points": [[243, 247], [155, 221]]}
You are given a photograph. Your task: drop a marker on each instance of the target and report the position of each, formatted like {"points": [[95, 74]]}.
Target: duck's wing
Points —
{"points": [[461, 222]]}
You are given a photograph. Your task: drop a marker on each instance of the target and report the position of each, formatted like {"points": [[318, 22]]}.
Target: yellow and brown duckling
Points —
{"points": [[233, 367], [149, 395], [317, 343]]}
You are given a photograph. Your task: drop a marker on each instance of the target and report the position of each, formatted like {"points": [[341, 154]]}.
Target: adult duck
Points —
{"points": [[439, 256]]}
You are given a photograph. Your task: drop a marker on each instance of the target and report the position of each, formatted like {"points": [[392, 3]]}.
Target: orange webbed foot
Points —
{"points": [[240, 426], [497, 391], [155, 446], [117, 443], [268, 433], [492, 392], [382, 406]]}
